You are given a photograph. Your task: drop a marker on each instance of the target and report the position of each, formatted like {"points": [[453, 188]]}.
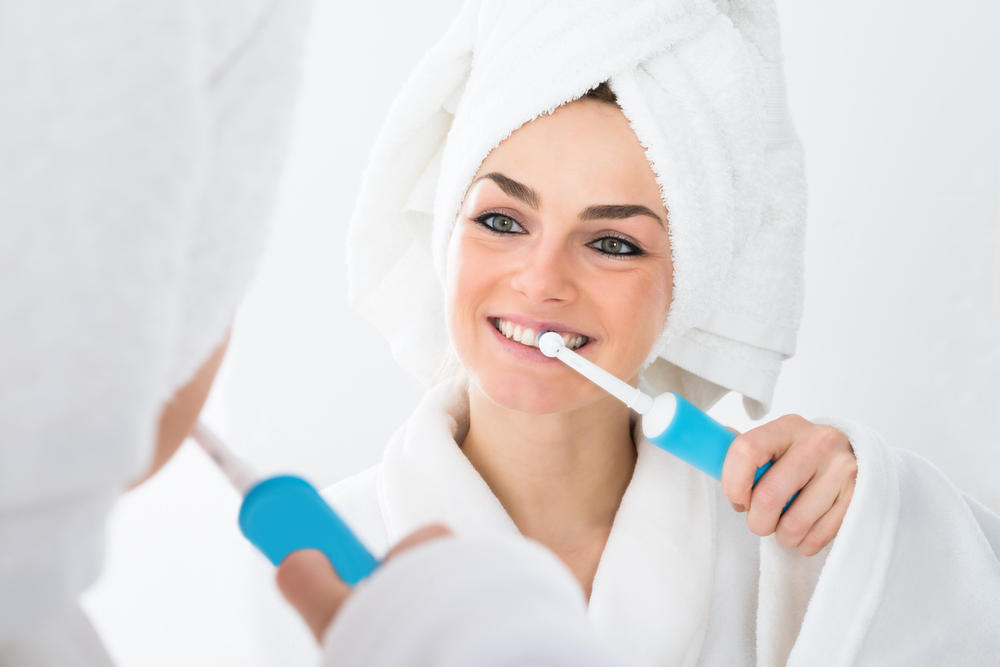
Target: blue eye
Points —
{"points": [[612, 245], [500, 223]]}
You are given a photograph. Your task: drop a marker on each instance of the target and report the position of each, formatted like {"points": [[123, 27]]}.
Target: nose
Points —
{"points": [[546, 273]]}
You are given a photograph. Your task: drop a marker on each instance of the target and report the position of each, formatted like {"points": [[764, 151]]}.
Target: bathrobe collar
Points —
{"points": [[653, 584]]}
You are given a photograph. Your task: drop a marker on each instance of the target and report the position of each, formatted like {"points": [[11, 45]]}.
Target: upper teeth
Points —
{"points": [[528, 336]]}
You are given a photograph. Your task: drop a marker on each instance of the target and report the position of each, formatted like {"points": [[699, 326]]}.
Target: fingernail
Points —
{"points": [[739, 508]]}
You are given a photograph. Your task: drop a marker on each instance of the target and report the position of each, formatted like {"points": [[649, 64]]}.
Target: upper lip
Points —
{"points": [[541, 325]]}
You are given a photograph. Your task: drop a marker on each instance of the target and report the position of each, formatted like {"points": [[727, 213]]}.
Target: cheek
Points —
{"points": [[661, 293], [468, 276], [638, 309]]}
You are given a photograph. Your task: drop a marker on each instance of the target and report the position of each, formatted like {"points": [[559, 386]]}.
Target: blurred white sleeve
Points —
{"points": [[466, 601], [140, 144], [66, 639]]}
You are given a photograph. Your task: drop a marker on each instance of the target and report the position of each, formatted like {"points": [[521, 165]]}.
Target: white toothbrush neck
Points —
{"points": [[236, 469], [624, 392]]}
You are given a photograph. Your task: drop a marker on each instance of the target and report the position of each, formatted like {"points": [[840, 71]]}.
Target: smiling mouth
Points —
{"points": [[529, 337]]}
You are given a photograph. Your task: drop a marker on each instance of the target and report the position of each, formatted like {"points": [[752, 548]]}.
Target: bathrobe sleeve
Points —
{"points": [[913, 576], [65, 639], [494, 601]]}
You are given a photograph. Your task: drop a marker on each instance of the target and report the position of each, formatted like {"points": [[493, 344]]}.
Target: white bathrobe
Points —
{"points": [[912, 577]]}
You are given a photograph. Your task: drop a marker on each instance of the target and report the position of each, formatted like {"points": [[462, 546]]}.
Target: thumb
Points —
{"points": [[430, 532], [310, 584]]}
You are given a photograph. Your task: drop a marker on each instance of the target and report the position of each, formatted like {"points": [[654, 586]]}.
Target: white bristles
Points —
{"points": [[551, 344], [239, 473]]}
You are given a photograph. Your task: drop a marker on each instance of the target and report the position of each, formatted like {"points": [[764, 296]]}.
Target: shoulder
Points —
{"points": [[356, 501]]}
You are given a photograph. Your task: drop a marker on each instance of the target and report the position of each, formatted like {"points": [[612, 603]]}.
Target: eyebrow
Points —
{"points": [[513, 188], [597, 212]]}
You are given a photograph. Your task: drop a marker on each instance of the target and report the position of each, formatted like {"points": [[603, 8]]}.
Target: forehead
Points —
{"points": [[584, 149]]}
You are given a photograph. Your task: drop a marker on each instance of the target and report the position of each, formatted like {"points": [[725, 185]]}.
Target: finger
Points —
{"points": [[421, 535], [797, 468], [813, 501], [753, 449], [824, 530], [738, 508], [310, 584]]}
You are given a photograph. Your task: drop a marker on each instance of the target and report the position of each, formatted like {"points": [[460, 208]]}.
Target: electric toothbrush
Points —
{"points": [[284, 513], [669, 421]]}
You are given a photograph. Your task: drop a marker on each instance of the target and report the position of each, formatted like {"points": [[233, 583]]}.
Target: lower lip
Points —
{"points": [[525, 352]]}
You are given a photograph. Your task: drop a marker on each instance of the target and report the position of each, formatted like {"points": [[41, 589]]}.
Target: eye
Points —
{"points": [[499, 223], [613, 245]]}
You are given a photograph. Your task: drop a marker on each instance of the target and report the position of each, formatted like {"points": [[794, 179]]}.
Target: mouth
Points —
{"points": [[528, 336]]}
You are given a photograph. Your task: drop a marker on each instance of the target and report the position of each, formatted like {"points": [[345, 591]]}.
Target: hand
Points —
{"points": [[310, 584], [815, 458]]}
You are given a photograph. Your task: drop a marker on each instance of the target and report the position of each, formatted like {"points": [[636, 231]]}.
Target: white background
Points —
{"points": [[897, 105]]}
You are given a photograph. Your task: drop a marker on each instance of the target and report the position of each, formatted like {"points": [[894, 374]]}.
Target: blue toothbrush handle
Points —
{"points": [[692, 436], [285, 513]]}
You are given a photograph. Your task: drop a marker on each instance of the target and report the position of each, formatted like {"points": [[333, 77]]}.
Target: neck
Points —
{"points": [[560, 476]]}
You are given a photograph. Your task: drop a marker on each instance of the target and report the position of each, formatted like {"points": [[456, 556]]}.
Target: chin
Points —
{"points": [[533, 396]]}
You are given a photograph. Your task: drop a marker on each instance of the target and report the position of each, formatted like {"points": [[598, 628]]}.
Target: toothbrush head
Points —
{"points": [[550, 343]]}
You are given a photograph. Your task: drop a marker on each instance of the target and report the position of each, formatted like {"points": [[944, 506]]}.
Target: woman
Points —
{"points": [[654, 220]]}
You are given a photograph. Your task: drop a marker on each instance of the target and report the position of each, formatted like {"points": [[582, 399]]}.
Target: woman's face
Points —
{"points": [[563, 228]]}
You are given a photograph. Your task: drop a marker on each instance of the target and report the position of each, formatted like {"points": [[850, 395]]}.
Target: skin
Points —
{"points": [[181, 413], [555, 449], [309, 583], [816, 458], [305, 578]]}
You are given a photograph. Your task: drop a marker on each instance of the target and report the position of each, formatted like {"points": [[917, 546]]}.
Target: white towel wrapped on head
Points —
{"points": [[701, 84]]}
